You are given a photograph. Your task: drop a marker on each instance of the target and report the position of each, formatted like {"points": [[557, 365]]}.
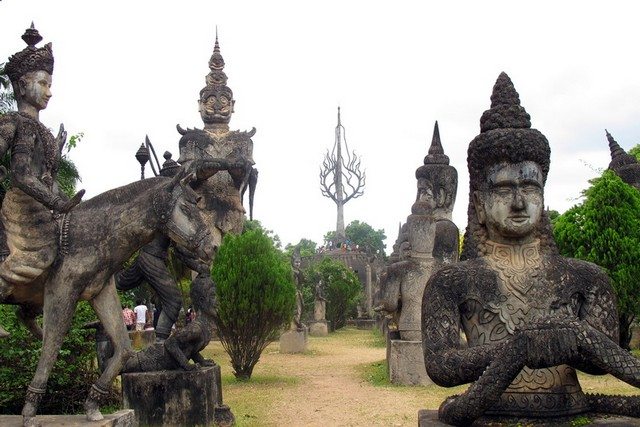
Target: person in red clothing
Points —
{"points": [[129, 317]]}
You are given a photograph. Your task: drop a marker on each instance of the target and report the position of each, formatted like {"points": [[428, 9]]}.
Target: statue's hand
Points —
{"points": [[64, 206], [61, 139], [207, 362], [550, 342], [190, 367]]}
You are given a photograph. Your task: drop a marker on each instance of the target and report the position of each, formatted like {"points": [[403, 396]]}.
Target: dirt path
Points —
{"points": [[329, 387]]}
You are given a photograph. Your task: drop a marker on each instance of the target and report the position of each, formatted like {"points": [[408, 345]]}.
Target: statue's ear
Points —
{"points": [[478, 203], [22, 86]]}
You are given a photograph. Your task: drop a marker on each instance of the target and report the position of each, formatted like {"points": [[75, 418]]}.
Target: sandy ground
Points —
{"points": [[329, 387]]}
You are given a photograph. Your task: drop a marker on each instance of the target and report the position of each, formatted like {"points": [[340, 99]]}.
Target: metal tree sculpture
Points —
{"points": [[341, 178]]}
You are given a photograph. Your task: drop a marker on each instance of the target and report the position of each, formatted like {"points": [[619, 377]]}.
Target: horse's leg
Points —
{"points": [[107, 306], [27, 315], [58, 312]]}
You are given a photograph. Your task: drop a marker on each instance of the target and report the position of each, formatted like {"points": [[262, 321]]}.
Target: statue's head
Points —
{"points": [[30, 72], [437, 182], [216, 98], [508, 166]]}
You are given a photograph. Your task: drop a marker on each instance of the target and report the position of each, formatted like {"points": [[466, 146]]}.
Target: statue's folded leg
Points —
{"points": [[597, 349], [508, 361]]}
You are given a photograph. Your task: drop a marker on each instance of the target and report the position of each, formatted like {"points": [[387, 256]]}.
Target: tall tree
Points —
{"points": [[256, 297], [605, 230]]}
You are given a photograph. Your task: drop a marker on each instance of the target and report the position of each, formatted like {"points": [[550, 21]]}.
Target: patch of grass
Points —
{"points": [[261, 379], [580, 421], [376, 373], [379, 339]]}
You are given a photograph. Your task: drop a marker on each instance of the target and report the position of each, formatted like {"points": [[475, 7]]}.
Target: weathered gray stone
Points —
{"points": [[406, 363], [174, 397], [319, 328], [123, 418], [531, 317], [429, 418], [293, 341]]}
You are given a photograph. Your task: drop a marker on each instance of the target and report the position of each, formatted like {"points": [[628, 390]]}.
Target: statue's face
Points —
{"points": [[425, 201], [216, 108], [35, 89], [511, 205]]}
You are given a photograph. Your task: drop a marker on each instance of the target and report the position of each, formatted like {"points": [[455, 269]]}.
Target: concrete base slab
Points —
{"points": [[406, 363], [123, 418], [429, 418], [319, 328], [164, 398], [293, 342]]}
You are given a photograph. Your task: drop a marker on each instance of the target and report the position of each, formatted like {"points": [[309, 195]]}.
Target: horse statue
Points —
{"points": [[96, 238]]}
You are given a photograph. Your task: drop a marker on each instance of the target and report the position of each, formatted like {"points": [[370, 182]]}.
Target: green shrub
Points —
{"points": [[72, 375], [256, 297], [342, 289]]}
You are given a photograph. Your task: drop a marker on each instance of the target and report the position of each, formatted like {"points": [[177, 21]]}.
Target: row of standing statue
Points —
{"points": [[62, 250], [529, 317]]}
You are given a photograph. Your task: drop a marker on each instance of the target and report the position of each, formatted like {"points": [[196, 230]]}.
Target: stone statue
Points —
{"points": [[94, 243], [320, 302], [530, 316], [186, 343], [223, 193], [151, 266], [429, 240], [31, 206], [623, 164], [298, 279]]}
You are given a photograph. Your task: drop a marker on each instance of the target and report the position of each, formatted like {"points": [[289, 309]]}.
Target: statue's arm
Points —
{"points": [[447, 361], [599, 311], [200, 360], [7, 131], [391, 287], [172, 345]]}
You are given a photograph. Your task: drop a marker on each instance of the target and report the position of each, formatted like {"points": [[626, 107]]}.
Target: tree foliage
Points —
{"points": [[635, 151], [307, 248], [342, 289], [72, 375], [362, 234], [256, 297], [605, 230]]}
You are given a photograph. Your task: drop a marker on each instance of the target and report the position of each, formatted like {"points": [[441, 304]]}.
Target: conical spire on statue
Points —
{"points": [[619, 157], [623, 164], [506, 111], [216, 80], [436, 152]]}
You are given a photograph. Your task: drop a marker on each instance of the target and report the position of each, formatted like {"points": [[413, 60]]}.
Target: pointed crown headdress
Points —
{"points": [[216, 80], [505, 135], [30, 58]]}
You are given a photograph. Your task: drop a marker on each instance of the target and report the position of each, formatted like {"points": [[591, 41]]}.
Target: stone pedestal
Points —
{"points": [[319, 328], [142, 339], [429, 418], [293, 341], [406, 363], [123, 418], [186, 398]]}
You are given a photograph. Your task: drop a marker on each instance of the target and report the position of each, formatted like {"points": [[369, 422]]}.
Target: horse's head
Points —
{"points": [[185, 220], [181, 217]]}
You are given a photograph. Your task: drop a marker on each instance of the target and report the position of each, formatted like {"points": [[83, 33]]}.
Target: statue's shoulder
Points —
{"points": [[582, 274], [196, 135], [242, 135], [10, 120], [460, 276]]}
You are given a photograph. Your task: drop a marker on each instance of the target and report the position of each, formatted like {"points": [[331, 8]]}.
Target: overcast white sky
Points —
{"points": [[125, 69]]}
